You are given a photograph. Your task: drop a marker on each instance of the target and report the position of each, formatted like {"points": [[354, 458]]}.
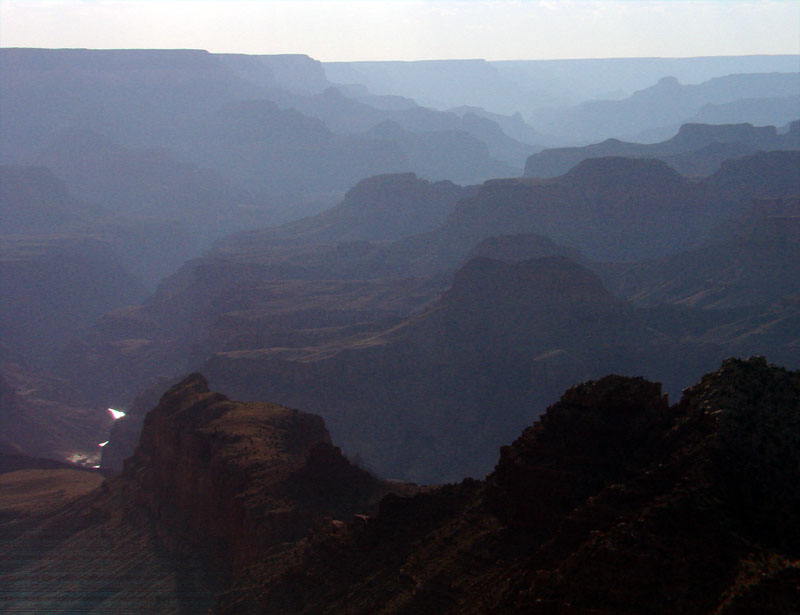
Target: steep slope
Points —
{"points": [[350, 110], [228, 305], [213, 486], [279, 288], [291, 285], [614, 502], [608, 208]]}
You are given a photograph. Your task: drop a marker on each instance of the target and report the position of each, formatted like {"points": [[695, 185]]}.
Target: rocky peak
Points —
{"points": [[668, 82], [215, 488], [367, 191], [755, 411], [231, 478], [614, 502], [599, 433]]}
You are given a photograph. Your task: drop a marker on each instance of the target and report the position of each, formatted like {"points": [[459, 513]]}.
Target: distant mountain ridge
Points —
{"points": [[668, 103], [258, 140], [194, 102], [524, 85], [689, 151], [376, 208]]}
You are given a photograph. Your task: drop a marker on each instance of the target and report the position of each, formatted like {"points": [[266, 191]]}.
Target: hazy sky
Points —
{"points": [[412, 29]]}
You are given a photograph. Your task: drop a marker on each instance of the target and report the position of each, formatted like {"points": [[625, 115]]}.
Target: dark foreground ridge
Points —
{"points": [[613, 502]]}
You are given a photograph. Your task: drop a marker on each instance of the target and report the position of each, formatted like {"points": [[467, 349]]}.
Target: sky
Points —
{"points": [[337, 30]]}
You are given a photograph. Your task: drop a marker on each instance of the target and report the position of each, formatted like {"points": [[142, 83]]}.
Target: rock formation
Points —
{"points": [[614, 502], [213, 487], [429, 398]]}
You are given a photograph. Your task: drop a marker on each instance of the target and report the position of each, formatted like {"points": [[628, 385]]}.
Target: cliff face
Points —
{"points": [[614, 502], [233, 479], [197, 459]]}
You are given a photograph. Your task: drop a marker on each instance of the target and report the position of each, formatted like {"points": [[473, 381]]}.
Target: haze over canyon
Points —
{"points": [[450, 336]]}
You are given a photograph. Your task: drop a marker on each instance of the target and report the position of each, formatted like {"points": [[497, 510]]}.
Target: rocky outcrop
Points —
{"points": [[235, 478], [614, 502], [599, 433], [125, 431], [214, 486]]}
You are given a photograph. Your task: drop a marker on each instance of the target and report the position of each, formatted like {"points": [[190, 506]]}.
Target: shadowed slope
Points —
{"points": [[613, 502]]}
